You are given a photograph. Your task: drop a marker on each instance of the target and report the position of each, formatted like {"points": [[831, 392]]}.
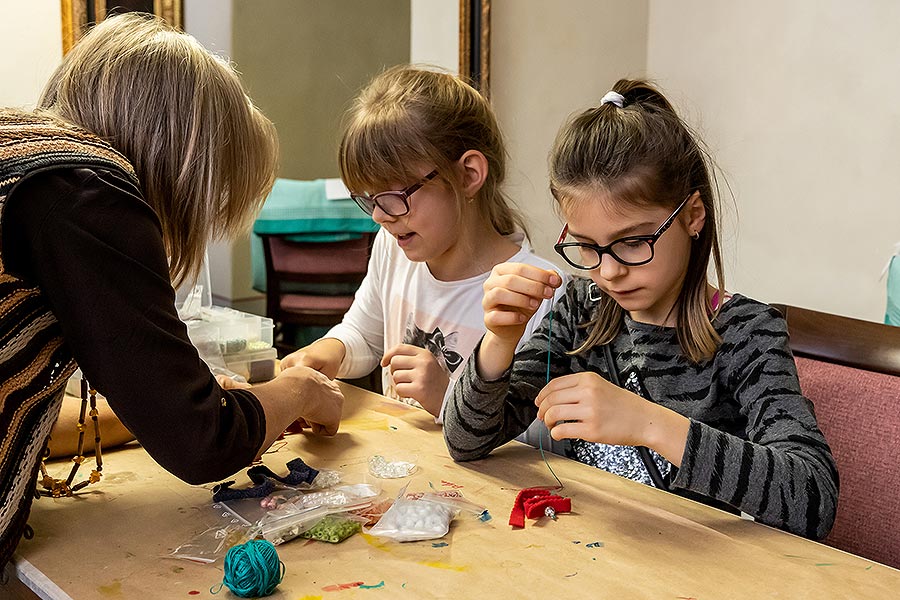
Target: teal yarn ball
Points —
{"points": [[253, 569]]}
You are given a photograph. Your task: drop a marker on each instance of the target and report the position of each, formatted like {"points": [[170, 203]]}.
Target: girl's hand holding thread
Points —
{"points": [[417, 375], [586, 406], [512, 294]]}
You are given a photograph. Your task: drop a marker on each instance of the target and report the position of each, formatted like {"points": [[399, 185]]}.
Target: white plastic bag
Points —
{"points": [[410, 520]]}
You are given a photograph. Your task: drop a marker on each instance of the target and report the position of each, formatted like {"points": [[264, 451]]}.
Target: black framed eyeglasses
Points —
{"points": [[393, 202], [631, 251]]}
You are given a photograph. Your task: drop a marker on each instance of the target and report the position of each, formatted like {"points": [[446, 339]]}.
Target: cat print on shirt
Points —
{"points": [[441, 346]]}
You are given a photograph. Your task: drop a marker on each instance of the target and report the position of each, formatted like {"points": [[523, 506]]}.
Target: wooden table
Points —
{"points": [[623, 540]]}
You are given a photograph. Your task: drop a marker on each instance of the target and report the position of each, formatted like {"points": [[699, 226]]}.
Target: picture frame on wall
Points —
{"points": [[475, 44], [79, 15]]}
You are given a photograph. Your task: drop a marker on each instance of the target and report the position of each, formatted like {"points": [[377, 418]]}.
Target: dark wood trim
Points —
{"points": [[78, 15], [843, 340], [475, 43]]}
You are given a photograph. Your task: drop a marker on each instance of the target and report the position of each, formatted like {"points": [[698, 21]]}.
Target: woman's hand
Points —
{"points": [[300, 394], [320, 398], [417, 375], [586, 406], [324, 355]]}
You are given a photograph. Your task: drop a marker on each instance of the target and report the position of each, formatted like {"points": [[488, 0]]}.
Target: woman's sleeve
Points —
{"points": [[95, 249], [483, 415], [783, 474]]}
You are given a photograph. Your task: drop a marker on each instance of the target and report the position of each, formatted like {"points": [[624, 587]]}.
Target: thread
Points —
{"points": [[252, 569], [540, 434]]}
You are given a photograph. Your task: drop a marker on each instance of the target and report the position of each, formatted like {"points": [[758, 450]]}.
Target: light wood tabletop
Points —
{"points": [[622, 539]]}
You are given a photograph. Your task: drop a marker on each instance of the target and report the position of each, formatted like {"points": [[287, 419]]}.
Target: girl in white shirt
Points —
{"points": [[423, 154]]}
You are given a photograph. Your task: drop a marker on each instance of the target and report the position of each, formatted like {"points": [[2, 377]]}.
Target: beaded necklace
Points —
{"points": [[57, 488]]}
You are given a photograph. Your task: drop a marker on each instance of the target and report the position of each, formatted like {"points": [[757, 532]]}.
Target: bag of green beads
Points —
{"points": [[333, 529]]}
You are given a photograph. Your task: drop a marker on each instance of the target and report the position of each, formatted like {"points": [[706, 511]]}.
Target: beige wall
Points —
{"points": [[434, 33], [303, 61], [30, 49], [800, 104], [546, 64], [210, 22]]}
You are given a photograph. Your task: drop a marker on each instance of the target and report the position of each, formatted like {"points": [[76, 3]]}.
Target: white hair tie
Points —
{"points": [[614, 98]]}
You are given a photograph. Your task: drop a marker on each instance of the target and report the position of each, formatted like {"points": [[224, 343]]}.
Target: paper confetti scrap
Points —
{"points": [[372, 587], [342, 586]]}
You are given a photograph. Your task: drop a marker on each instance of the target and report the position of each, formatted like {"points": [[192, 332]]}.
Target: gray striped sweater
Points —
{"points": [[753, 441]]}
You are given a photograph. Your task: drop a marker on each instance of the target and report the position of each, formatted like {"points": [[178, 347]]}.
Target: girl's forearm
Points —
{"points": [[494, 357], [332, 352], [666, 431]]}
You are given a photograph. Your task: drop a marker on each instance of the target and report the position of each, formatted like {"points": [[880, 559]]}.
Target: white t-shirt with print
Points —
{"points": [[400, 302]]}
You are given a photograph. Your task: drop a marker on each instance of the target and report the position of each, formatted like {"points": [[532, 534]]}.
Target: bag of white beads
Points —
{"points": [[410, 520]]}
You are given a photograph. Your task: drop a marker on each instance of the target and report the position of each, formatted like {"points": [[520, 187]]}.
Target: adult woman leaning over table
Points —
{"points": [[144, 148]]}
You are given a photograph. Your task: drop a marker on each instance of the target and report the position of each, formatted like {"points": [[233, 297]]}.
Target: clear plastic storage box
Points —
{"points": [[233, 341]]}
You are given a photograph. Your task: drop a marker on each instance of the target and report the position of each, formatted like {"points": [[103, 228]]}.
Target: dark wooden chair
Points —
{"points": [[312, 283], [850, 370]]}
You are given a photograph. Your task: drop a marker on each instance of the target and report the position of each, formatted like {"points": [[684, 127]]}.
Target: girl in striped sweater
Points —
{"points": [[709, 403]]}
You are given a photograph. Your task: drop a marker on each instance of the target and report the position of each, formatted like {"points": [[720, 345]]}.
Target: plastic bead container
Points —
{"points": [[235, 340]]}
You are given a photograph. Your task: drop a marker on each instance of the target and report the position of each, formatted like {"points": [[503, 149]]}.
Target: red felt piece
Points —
{"points": [[517, 516]]}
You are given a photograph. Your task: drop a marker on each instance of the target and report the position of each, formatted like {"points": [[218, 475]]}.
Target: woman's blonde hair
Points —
{"points": [[642, 153], [204, 154], [409, 116]]}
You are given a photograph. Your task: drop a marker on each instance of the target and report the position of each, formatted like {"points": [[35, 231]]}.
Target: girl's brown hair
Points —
{"points": [[204, 154], [642, 153], [409, 116]]}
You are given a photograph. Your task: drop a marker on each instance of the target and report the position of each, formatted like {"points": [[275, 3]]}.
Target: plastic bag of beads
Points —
{"points": [[371, 514], [341, 495], [412, 520], [226, 530], [285, 527], [392, 467], [287, 492], [455, 501], [333, 528], [280, 529], [325, 479]]}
